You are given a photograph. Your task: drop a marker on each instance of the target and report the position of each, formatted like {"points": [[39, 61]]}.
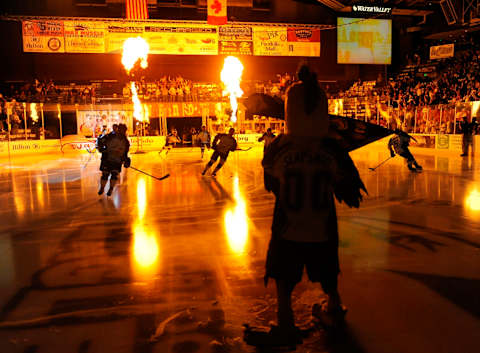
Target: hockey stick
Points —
{"points": [[154, 177], [381, 163], [89, 158], [244, 149]]}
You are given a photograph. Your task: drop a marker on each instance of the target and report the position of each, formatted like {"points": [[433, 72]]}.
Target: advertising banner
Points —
{"points": [[84, 36], [181, 110], [442, 51], [90, 123], [235, 40], [182, 39], [303, 41], [43, 36], [270, 41], [117, 33]]}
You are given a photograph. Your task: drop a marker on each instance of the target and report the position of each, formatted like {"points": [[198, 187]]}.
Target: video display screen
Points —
{"points": [[364, 41]]}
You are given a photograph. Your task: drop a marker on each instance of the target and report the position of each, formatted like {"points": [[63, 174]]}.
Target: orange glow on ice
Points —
{"points": [[231, 77], [472, 201], [236, 221]]}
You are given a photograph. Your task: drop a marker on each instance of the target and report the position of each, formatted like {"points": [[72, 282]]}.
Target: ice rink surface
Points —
{"points": [[177, 265]]}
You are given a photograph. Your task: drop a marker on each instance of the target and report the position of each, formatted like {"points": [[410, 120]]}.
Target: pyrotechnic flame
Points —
{"points": [[33, 112], [137, 106], [135, 49], [146, 113], [231, 77]]}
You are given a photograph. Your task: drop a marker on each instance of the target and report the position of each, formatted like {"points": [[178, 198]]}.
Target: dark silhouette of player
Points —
{"points": [[114, 148], [222, 145], [399, 144]]}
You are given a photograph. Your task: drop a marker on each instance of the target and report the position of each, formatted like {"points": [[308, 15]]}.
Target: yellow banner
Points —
{"points": [[117, 33], [84, 36], [185, 39], [43, 36], [270, 41]]}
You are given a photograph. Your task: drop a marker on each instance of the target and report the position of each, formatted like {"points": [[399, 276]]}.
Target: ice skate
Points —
{"points": [[274, 338], [329, 319], [109, 192], [101, 190]]}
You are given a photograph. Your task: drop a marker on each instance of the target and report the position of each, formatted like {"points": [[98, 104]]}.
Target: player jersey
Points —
{"points": [[204, 137], [224, 143], [303, 173], [117, 147], [399, 143], [268, 139]]}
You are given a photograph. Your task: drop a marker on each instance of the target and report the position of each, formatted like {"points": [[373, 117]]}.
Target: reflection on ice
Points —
{"points": [[141, 197], [145, 249], [236, 222], [472, 200], [145, 243]]}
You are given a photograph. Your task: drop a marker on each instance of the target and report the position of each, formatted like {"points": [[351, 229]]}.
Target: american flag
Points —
{"points": [[137, 9]]}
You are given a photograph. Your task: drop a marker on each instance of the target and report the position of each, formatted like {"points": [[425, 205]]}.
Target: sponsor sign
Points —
{"points": [[303, 41], [240, 33], [147, 143], [372, 9], [248, 139], [442, 51], [117, 33], [182, 39], [84, 37], [91, 123], [235, 48], [29, 147], [235, 40], [43, 36], [443, 142], [182, 110], [270, 41]]}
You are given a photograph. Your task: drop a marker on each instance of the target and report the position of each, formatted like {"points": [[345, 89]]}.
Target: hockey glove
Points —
{"points": [[392, 154], [127, 162]]}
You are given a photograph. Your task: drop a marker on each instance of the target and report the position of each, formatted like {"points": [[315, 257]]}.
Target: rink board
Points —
{"points": [[156, 143], [34, 147]]}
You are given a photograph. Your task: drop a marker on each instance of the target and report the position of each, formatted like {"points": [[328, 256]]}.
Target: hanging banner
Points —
{"points": [[217, 12], [43, 36], [183, 39], [303, 41], [117, 33], [84, 36], [91, 123], [184, 110], [442, 51], [235, 40], [270, 41]]}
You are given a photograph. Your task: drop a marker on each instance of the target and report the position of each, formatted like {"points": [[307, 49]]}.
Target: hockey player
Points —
{"points": [[399, 144], [204, 139], [305, 170], [268, 137], [468, 129], [114, 153], [222, 145]]}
